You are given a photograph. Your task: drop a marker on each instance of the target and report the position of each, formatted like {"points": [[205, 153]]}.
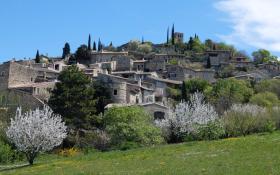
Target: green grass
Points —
{"points": [[257, 154]]}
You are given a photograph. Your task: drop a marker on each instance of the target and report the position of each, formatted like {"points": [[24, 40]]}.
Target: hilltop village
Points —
{"points": [[138, 73]]}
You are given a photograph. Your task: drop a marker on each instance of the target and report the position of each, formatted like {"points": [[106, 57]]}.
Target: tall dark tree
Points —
{"points": [[37, 59], [99, 45], [73, 98], [66, 50], [173, 35], [208, 65], [183, 92], [191, 43], [82, 53], [94, 46], [143, 40], [89, 42], [167, 36]]}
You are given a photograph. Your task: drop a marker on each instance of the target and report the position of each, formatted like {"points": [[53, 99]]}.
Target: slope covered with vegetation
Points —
{"points": [[257, 154]]}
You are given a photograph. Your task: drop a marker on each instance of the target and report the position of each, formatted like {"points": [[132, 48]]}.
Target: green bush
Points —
{"points": [[211, 131], [266, 99], [274, 113], [8, 154], [131, 124], [247, 119]]}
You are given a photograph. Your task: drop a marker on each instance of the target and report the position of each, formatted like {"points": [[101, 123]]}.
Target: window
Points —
{"points": [[158, 115], [56, 67], [115, 92], [2, 74]]}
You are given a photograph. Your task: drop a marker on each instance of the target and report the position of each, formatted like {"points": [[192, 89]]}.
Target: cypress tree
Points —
{"points": [[89, 42], [142, 40], [173, 35], [66, 50], [99, 45], [94, 46], [183, 92], [208, 65], [37, 59]]}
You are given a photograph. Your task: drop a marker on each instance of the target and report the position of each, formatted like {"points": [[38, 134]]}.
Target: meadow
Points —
{"points": [[255, 154]]}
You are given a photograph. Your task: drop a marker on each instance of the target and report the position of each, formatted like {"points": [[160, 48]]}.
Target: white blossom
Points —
{"points": [[36, 131], [188, 115], [253, 110]]}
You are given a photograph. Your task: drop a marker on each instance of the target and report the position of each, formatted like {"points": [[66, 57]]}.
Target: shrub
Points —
{"points": [[211, 131], [271, 85], [229, 91], [98, 139], [265, 99], [8, 154], [69, 152], [246, 119], [187, 118], [274, 113], [131, 124]]}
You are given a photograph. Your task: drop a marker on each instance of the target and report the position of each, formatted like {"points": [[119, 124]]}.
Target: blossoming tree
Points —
{"points": [[187, 117], [36, 131]]}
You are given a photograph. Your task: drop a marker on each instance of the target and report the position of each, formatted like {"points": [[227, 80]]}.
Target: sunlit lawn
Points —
{"points": [[258, 154]]}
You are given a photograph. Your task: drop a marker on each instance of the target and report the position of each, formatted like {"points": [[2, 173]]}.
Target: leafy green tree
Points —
{"points": [[192, 86], [226, 71], [66, 50], [133, 45], [271, 85], [145, 48], [263, 56], [131, 124], [265, 99], [82, 53], [38, 58], [209, 44], [229, 91], [74, 99]]}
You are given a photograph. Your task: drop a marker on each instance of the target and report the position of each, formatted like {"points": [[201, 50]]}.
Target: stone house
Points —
{"points": [[160, 85], [103, 56], [124, 90], [218, 57], [272, 68], [180, 73]]}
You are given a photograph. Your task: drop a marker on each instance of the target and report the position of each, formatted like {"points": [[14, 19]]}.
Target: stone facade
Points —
{"points": [[179, 73]]}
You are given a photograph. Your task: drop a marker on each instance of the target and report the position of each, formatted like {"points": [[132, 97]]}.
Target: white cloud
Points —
{"points": [[254, 22]]}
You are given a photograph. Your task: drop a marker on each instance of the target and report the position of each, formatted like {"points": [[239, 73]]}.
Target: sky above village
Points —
{"points": [[28, 25]]}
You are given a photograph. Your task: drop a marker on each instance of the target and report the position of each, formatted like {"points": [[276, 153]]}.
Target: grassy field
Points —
{"points": [[257, 154]]}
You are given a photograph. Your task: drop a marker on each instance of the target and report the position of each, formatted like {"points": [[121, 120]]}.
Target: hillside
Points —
{"points": [[257, 154]]}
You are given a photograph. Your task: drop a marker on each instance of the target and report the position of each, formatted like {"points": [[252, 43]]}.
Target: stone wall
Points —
{"points": [[21, 74], [15, 98], [4, 76]]}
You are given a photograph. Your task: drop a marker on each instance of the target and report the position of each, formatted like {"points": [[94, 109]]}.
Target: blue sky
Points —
{"points": [[46, 25]]}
